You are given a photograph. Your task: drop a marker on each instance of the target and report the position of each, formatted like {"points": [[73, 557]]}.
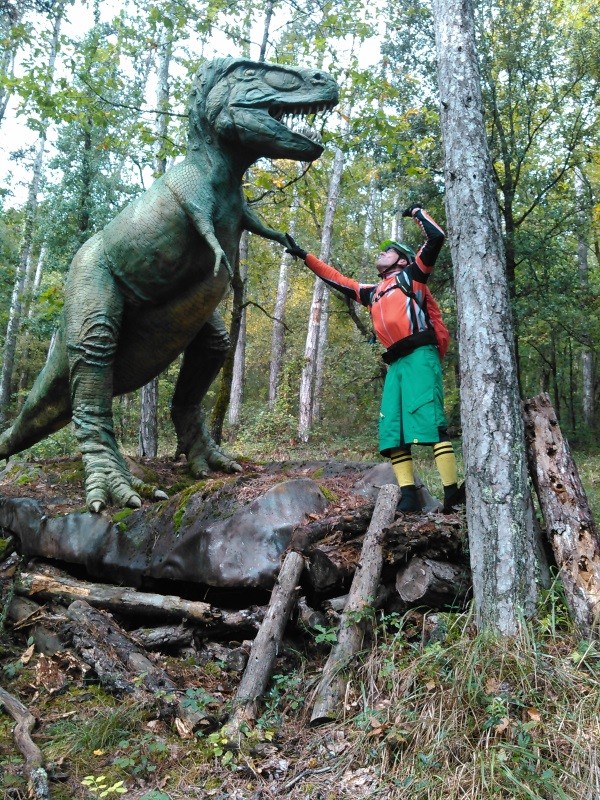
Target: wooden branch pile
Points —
{"points": [[338, 572], [118, 634]]}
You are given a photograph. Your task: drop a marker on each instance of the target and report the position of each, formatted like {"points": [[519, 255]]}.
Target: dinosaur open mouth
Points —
{"points": [[301, 119]]}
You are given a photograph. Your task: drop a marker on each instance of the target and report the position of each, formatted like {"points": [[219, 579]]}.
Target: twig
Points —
{"points": [[34, 762]]}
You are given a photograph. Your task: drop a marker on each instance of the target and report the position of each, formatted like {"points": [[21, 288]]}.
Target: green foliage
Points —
{"points": [[141, 755], [99, 786], [325, 635]]}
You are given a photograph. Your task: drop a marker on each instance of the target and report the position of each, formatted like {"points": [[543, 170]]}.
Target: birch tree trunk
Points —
{"points": [[278, 334], [367, 256], [148, 432], [587, 358], [397, 221], [316, 338], [16, 303], [239, 359], [234, 365], [498, 510], [8, 55]]}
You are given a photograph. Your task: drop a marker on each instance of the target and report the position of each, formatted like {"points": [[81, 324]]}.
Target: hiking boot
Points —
{"points": [[454, 497], [409, 502]]}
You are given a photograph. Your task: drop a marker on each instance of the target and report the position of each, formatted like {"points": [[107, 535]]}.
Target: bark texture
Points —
{"points": [[498, 511], [354, 621], [266, 645], [34, 762], [123, 600], [316, 337], [433, 582], [569, 523]]}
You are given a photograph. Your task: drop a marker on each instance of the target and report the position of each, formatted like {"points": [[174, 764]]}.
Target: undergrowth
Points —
{"points": [[433, 710]]}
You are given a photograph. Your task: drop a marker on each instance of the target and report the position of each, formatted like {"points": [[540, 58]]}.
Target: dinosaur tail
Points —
{"points": [[47, 407]]}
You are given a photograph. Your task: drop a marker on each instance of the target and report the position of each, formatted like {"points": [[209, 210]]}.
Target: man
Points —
{"points": [[408, 323]]}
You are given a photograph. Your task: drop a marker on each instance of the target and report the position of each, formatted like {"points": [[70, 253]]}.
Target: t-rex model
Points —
{"points": [[145, 288]]}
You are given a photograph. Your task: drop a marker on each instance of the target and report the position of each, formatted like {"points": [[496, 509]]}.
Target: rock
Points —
{"points": [[203, 537]]}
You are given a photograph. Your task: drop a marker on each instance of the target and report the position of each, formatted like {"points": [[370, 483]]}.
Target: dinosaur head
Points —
{"points": [[254, 106]]}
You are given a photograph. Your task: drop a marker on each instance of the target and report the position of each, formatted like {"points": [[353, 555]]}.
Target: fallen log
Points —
{"points": [[353, 624], [348, 525], [433, 583], [438, 537], [37, 777], [121, 664], [52, 584], [118, 659], [332, 563], [164, 637], [570, 526], [265, 646]]}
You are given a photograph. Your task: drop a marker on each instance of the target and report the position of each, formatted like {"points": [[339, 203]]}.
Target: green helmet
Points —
{"points": [[401, 249]]}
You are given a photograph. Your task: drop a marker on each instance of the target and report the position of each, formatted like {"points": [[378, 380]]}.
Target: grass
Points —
{"points": [[468, 716], [433, 711]]}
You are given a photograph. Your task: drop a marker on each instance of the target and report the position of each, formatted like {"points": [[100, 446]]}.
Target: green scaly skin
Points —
{"points": [[146, 288]]}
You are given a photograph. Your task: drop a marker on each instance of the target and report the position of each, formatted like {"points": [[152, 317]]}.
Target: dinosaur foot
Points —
{"points": [[108, 481], [195, 441], [206, 457]]}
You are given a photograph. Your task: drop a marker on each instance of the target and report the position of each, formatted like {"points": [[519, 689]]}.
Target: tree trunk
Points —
{"points": [[239, 358], [498, 511], [148, 430], [397, 220], [8, 55], [314, 350], [148, 433], [570, 526], [278, 334], [353, 625], [14, 320], [237, 307], [587, 357], [267, 25]]}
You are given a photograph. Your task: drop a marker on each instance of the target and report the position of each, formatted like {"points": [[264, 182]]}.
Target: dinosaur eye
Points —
{"points": [[249, 73], [285, 81]]}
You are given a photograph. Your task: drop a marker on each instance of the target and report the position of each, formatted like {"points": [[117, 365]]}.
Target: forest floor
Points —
{"points": [[432, 710]]}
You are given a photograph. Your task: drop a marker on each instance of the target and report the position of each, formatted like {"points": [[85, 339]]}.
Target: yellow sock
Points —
{"points": [[402, 465], [445, 461]]}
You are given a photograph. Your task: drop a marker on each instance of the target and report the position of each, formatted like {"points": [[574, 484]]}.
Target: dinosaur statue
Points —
{"points": [[146, 287]]}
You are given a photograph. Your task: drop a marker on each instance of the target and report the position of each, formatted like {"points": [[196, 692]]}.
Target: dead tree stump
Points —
{"points": [[570, 527]]}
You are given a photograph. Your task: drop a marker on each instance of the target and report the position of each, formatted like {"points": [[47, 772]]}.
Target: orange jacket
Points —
{"points": [[403, 318]]}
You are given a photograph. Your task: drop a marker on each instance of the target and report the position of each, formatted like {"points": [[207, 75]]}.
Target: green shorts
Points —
{"points": [[412, 404]]}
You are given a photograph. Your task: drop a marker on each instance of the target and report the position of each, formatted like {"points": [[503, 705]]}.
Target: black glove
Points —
{"points": [[293, 249], [408, 212]]}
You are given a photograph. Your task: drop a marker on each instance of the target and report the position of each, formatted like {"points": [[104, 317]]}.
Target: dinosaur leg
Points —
{"points": [[93, 313], [202, 360]]}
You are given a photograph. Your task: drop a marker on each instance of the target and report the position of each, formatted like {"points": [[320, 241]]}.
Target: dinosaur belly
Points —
{"points": [[152, 337]]}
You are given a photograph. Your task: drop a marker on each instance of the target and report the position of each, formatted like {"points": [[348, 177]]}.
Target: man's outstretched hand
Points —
{"points": [[293, 249], [408, 212]]}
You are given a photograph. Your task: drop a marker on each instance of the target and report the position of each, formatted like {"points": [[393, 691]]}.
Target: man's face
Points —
{"points": [[389, 258]]}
